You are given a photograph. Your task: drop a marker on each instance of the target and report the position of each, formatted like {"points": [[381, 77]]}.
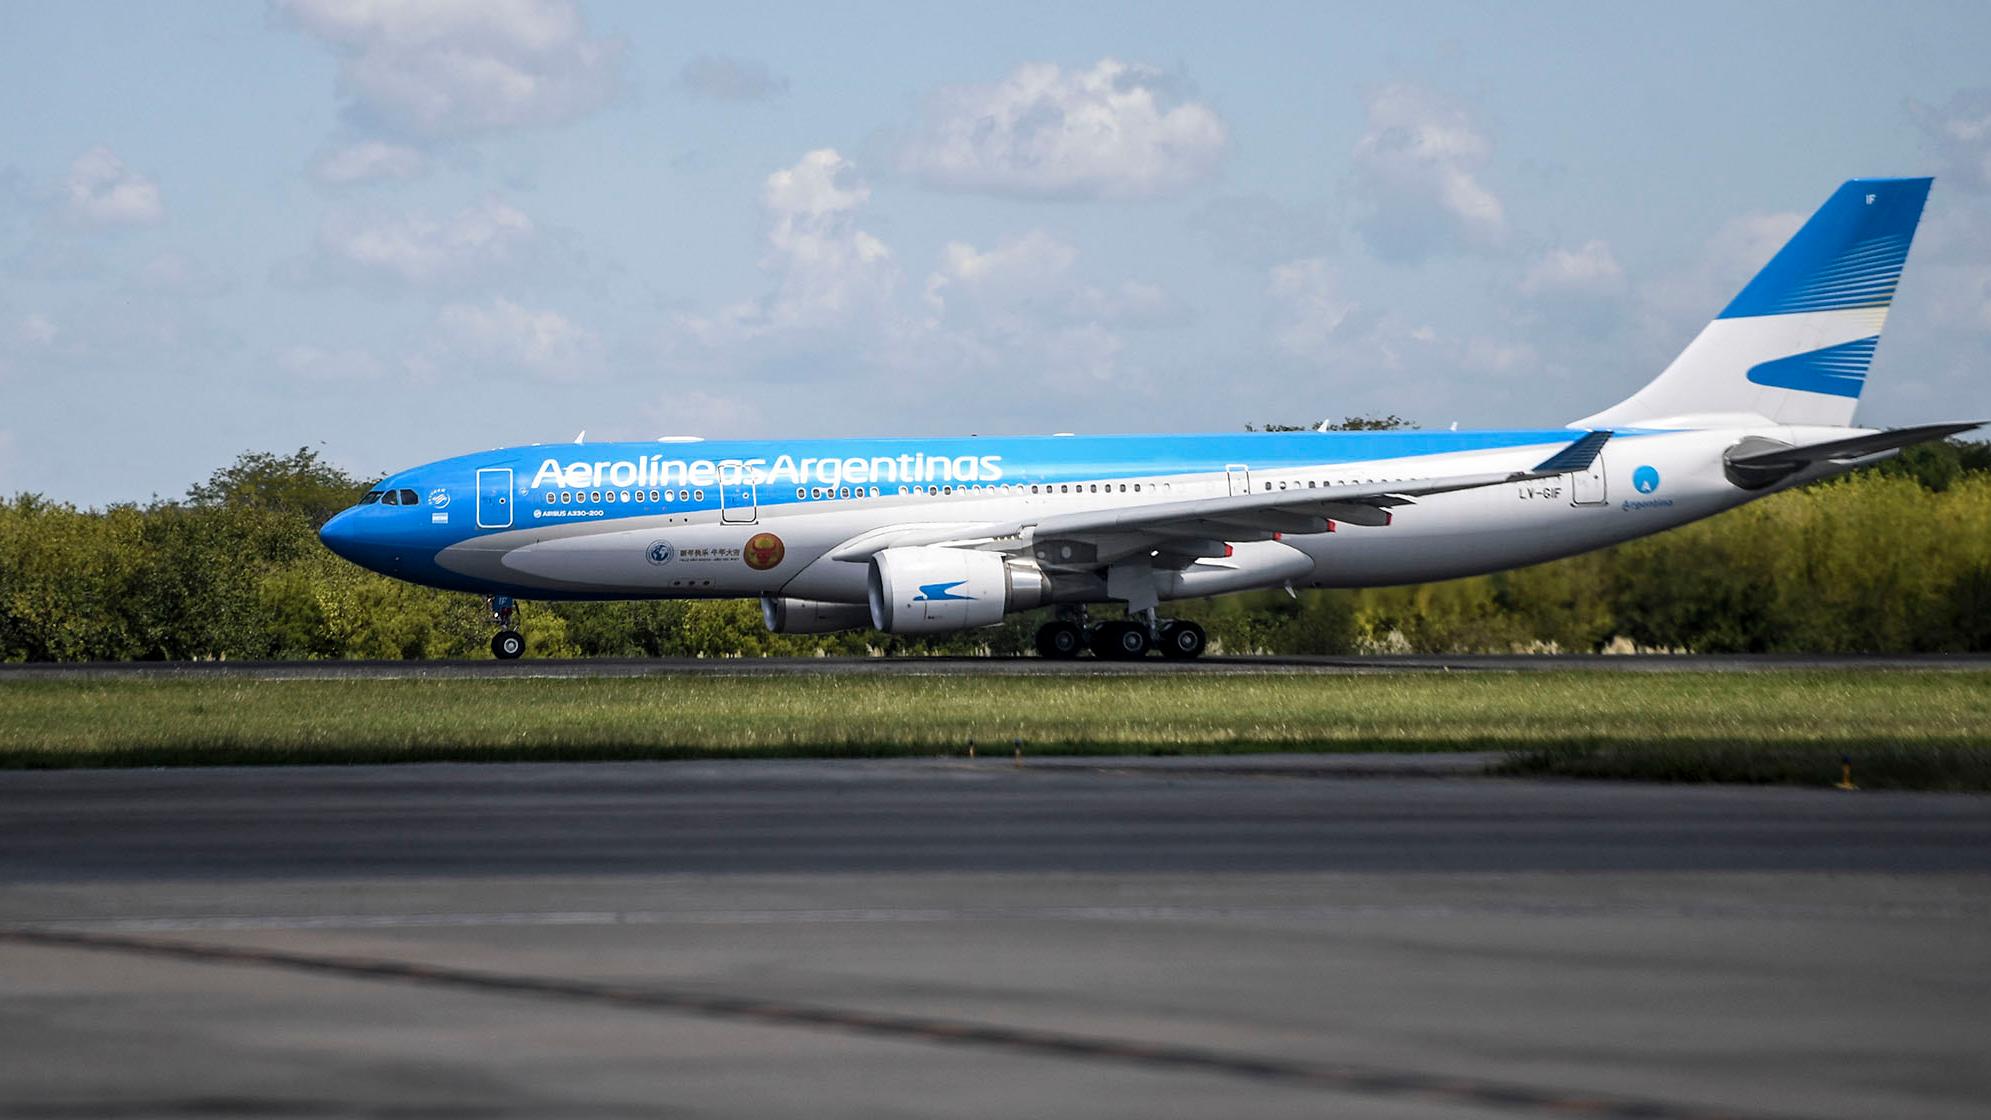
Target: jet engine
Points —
{"points": [[808, 616], [926, 590]]}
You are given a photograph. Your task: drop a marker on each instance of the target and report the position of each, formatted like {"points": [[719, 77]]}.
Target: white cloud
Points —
{"points": [[450, 68], [1960, 132], [1589, 272], [420, 249], [102, 191], [1116, 130], [1417, 169], [986, 322], [1678, 303], [1019, 307], [730, 79], [318, 364], [827, 271], [1308, 306], [1030, 278], [36, 329], [369, 159], [541, 342]]}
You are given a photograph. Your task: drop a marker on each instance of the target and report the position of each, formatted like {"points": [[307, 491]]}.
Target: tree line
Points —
{"points": [[1894, 558]]}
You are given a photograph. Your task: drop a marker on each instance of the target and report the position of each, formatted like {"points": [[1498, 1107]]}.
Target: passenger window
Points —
{"points": [[844, 493], [608, 498], [684, 495], [653, 495], [874, 491], [594, 496], [1137, 487], [564, 496], [625, 495], [698, 495]]}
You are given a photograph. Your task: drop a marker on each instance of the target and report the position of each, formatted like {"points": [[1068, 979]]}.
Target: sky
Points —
{"points": [[398, 232]]}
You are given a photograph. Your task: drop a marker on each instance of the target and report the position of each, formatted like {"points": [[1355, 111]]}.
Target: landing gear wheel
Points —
{"points": [[507, 645], [1183, 640], [1059, 641], [1120, 641]]}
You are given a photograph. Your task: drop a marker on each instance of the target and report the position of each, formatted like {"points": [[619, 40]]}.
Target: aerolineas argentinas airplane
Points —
{"points": [[924, 536]]}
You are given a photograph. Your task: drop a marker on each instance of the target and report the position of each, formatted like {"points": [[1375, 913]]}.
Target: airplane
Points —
{"points": [[931, 536]]}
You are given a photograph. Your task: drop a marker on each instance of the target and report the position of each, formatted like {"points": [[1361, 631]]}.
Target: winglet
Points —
{"points": [[1576, 457]]}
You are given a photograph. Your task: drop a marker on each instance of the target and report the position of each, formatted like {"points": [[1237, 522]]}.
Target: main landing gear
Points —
{"points": [[1127, 639], [507, 644]]}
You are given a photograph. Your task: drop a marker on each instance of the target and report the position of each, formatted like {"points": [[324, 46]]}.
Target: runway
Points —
{"points": [[1001, 666], [1166, 937]]}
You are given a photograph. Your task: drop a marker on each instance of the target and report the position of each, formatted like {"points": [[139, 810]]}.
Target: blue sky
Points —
{"points": [[399, 232]]}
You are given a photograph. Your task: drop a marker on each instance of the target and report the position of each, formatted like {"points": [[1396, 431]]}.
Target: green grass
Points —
{"points": [[1903, 729]]}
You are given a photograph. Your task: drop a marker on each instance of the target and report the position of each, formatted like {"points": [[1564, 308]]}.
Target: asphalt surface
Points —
{"points": [[1158, 937], [1264, 936], [1007, 666]]}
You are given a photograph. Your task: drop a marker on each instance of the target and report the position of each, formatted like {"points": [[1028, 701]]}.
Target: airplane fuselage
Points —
{"points": [[679, 519]]}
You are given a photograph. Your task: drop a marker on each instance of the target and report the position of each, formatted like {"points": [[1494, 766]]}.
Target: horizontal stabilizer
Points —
{"points": [[1856, 447], [1757, 462], [1577, 457]]}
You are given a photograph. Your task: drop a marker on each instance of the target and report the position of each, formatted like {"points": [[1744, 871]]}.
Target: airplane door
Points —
{"points": [[1586, 488], [739, 502], [1240, 478], [494, 498]]}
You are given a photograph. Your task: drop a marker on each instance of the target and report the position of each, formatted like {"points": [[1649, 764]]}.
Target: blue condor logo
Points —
{"points": [[941, 593]]}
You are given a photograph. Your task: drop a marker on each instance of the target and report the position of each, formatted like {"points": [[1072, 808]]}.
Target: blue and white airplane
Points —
{"points": [[926, 536]]}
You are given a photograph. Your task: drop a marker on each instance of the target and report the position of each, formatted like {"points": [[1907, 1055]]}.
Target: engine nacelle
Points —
{"points": [[808, 616], [923, 590]]}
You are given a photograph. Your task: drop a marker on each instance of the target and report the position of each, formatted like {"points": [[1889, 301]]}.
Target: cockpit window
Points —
{"points": [[408, 498], [371, 497], [390, 498]]}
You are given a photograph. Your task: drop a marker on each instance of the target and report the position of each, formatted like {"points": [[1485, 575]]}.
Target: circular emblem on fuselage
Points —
{"points": [[661, 552], [763, 551], [1645, 479], [439, 498]]}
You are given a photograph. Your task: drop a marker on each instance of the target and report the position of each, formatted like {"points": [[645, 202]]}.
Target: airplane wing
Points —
{"points": [[1182, 531]]}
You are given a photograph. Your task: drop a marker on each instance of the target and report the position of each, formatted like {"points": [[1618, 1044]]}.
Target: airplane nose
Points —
{"points": [[340, 535]]}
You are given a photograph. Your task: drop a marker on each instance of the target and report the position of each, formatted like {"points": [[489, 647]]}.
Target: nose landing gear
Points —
{"points": [[507, 644]]}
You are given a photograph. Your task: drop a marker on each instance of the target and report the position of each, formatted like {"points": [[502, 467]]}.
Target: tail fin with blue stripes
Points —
{"points": [[1794, 347]]}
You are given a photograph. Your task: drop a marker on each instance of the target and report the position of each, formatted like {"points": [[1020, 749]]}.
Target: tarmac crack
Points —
{"points": [[1329, 1076]]}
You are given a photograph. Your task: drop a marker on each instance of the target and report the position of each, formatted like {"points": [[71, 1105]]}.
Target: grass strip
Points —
{"points": [[1928, 730]]}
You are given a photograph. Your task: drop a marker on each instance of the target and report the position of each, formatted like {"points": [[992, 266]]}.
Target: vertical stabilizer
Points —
{"points": [[1795, 346]]}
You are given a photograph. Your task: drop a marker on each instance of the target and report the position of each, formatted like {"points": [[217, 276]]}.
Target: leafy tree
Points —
{"points": [[1389, 423], [301, 483]]}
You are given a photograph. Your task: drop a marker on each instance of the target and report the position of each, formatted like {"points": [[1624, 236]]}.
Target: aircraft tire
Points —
{"points": [[1183, 641], [1059, 641], [507, 645], [1120, 641]]}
